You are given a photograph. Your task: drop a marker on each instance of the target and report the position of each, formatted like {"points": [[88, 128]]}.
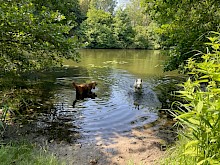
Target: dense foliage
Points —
{"points": [[201, 112], [69, 8], [179, 26], [121, 28], [97, 29], [33, 37], [144, 27], [36, 33], [183, 25]]}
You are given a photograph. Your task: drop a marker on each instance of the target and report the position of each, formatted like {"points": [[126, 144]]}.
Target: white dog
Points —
{"points": [[138, 84]]}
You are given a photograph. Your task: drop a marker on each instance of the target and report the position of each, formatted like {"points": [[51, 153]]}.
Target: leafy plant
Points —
{"points": [[201, 112]]}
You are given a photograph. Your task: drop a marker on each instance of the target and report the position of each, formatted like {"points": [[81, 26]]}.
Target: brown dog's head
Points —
{"points": [[92, 85]]}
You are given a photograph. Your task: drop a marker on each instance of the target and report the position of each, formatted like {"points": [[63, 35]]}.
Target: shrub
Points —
{"points": [[200, 115]]}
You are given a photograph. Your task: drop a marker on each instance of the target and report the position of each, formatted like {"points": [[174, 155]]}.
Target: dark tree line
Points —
{"points": [[37, 34]]}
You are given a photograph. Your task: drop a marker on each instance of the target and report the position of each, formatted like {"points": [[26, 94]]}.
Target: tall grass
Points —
{"points": [[200, 114], [175, 156], [24, 154]]}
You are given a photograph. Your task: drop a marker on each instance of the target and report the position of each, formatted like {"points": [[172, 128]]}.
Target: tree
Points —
{"points": [[140, 22], [137, 14], [103, 30], [97, 29], [84, 6], [183, 25], [123, 30], [69, 8], [105, 5], [33, 37]]}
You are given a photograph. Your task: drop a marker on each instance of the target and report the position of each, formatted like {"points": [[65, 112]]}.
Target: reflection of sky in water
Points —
{"points": [[113, 112]]}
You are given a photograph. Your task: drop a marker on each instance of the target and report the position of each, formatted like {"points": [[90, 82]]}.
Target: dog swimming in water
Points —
{"points": [[84, 91], [138, 85]]}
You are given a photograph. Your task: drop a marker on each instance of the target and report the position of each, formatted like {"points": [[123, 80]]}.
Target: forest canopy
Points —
{"points": [[36, 34]]}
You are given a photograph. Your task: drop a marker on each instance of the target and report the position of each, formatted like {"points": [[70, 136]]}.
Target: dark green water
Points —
{"points": [[141, 63]]}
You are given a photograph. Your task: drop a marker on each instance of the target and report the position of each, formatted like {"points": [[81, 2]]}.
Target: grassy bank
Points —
{"points": [[24, 153], [175, 156]]}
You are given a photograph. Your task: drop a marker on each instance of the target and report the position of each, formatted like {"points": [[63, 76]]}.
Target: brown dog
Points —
{"points": [[84, 90]]}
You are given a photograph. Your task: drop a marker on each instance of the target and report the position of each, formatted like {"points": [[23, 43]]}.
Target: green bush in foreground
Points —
{"points": [[200, 115], [25, 154]]}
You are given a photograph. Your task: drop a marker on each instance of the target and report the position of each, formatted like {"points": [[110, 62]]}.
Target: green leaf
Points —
{"points": [[207, 123], [202, 80], [194, 121], [213, 39], [1, 124], [190, 153], [201, 162], [186, 115], [199, 106], [192, 143], [215, 46]]}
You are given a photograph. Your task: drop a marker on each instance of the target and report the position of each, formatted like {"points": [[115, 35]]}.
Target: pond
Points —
{"points": [[117, 109]]}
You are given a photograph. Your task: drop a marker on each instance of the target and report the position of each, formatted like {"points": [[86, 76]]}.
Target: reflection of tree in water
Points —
{"points": [[39, 87], [139, 62], [34, 93]]}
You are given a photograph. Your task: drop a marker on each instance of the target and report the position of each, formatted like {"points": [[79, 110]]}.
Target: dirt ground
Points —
{"points": [[142, 147]]}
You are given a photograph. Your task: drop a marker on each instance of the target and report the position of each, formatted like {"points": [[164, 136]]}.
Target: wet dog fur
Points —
{"points": [[138, 85], [84, 90]]}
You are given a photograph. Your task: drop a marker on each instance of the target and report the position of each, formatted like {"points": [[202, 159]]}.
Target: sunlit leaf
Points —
{"points": [[190, 153], [186, 115], [194, 121], [201, 162], [199, 106], [192, 143]]}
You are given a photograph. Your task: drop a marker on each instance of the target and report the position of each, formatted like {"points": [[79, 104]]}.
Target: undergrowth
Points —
{"points": [[200, 113]]}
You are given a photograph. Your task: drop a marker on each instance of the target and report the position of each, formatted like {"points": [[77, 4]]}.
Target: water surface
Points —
{"points": [[117, 108]]}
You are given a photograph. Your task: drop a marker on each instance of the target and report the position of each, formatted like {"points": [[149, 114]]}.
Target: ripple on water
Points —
{"points": [[113, 111]]}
